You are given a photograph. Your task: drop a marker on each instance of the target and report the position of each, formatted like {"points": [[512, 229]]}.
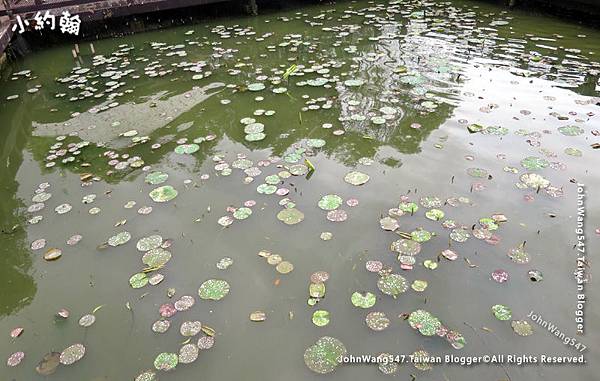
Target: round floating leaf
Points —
{"points": [[258, 316], [533, 163], [389, 224], [266, 189], [161, 326], [166, 361], [213, 289], [298, 169], [477, 172], [431, 265], [421, 235], [156, 177], [184, 303], [242, 213], [392, 284], [15, 359], [119, 239], [319, 276], [501, 312], [337, 215], [190, 328], [377, 321], [290, 216], [188, 353], [206, 342], [284, 267], [459, 235], [72, 354], [518, 255], [426, 323], [149, 243], [156, 257], [356, 178], [52, 254], [316, 290], [330, 202], [363, 299], [421, 360], [408, 207], [255, 137], [254, 128], [387, 367], [533, 180], [323, 357], [320, 318], [138, 280], [163, 194], [571, 130], [87, 320], [406, 247], [522, 327], [434, 214], [256, 86], [430, 202], [186, 149], [315, 143], [419, 285], [49, 363], [500, 275], [147, 375]]}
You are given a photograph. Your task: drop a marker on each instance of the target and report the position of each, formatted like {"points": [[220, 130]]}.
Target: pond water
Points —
{"points": [[484, 119]]}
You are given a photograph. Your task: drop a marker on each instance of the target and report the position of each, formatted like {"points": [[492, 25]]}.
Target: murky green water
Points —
{"points": [[392, 90]]}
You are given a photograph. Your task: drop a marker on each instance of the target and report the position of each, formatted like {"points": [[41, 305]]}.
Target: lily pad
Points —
{"points": [[149, 243], [119, 239], [330, 202], [213, 289], [48, 364], [406, 247], [156, 177], [324, 356], [356, 178], [138, 280], [320, 318], [15, 359], [522, 327], [377, 321], [425, 322], [392, 284], [166, 361], [316, 290], [363, 299], [501, 312], [242, 213], [190, 328], [72, 354], [188, 353], [87, 320], [290, 216], [163, 194], [533, 163]]}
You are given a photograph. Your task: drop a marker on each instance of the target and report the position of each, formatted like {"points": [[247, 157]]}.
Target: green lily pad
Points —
{"points": [[213, 289], [419, 285], [533, 180], [119, 239], [242, 213], [392, 284], [425, 322], [156, 257], [166, 361], [320, 318], [522, 327], [571, 130], [459, 235], [363, 299], [518, 255], [533, 163], [156, 177], [316, 290], [290, 216], [421, 235], [434, 214], [255, 137], [163, 194], [147, 375], [138, 280], [324, 356], [330, 202], [315, 143], [187, 149], [148, 243], [266, 189], [501, 312], [408, 207], [356, 178], [477, 172], [406, 247], [254, 128]]}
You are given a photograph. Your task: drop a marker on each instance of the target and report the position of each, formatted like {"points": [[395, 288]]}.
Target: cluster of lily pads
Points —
{"points": [[429, 325], [282, 266]]}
